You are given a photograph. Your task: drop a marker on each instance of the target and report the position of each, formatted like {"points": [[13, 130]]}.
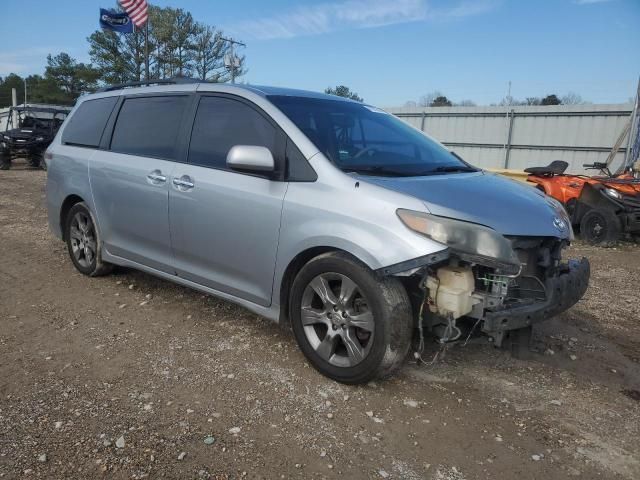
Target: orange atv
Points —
{"points": [[601, 207]]}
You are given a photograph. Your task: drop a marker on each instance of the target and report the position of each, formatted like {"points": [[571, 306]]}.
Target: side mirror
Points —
{"points": [[249, 158]]}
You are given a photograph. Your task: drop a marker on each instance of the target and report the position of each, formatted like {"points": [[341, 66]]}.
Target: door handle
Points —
{"points": [[157, 177], [183, 183]]}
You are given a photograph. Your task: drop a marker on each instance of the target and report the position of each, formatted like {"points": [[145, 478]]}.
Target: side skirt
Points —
{"points": [[272, 312]]}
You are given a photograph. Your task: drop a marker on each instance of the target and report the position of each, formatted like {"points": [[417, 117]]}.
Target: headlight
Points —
{"points": [[463, 237], [613, 193]]}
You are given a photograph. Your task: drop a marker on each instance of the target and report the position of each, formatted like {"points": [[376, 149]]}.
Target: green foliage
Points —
{"points": [[64, 81], [179, 46], [550, 100], [343, 91], [441, 101]]}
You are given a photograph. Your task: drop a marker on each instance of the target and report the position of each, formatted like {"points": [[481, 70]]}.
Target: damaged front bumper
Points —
{"points": [[562, 292]]}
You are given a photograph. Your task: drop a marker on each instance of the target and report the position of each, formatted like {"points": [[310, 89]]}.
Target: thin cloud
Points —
{"points": [[26, 60], [328, 17], [589, 2]]}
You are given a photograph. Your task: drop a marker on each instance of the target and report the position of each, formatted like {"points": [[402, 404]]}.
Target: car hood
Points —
{"points": [[506, 205]]}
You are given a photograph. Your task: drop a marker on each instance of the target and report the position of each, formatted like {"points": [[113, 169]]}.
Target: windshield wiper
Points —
{"points": [[378, 171], [454, 168]]}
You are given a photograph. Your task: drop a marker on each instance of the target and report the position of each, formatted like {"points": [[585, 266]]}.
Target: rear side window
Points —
{"points": [[222, 123], [86, 125], [149, 126]]}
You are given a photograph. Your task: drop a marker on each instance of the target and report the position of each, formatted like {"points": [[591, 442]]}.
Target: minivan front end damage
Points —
{"points": [[502, 283]]}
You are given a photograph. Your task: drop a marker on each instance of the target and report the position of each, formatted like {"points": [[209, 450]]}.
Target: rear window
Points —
{"points": [[86, 125], [149, 126]]}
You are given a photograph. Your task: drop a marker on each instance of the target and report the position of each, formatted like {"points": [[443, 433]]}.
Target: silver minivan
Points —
{"points": [[325, 214]]}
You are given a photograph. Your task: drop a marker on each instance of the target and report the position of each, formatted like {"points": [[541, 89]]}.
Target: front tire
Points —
{"points": [[83, 242], [600, 226], [351, 324]]}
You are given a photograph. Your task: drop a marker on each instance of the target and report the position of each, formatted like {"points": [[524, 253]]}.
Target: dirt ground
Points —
{"points": [[128, 376]]}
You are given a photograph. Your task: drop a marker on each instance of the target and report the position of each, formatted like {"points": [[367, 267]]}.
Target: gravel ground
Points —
{"points": [[128, 376]]}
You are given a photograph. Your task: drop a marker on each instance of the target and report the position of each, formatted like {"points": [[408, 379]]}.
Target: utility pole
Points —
{"points": [[25, 91], [232, 57]]}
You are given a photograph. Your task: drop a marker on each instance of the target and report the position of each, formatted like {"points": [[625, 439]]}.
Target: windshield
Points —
{"points": [[363, 139]]}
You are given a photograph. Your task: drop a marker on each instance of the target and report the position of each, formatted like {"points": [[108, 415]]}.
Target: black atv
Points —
{"points": [[29, 138]]}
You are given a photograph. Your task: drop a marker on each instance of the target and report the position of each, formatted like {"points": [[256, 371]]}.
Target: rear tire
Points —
{"points": [[83, 242], [358, 328], [600, 226]]}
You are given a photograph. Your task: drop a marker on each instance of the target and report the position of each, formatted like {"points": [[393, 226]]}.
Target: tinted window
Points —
{"points": [[222, 123], [86, 125], [367, 140], [298, 169], [149, 126]]}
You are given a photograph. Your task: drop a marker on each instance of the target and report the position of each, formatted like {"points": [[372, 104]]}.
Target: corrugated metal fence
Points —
{"points": [[523, 136]]}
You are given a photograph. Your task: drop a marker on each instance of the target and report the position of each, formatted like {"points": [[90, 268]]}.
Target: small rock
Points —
{"points": [[369, 413], [209, 440], [345, 398], [182, 455], [411, 403], [498, 439], [58, 425], [143, 303], [536, 458], [383, 474], [123, 305], [231, 376], [323, 453], [132, 286], [120, 442], [555, 402], [148, 296], [190, 410], [329, 415], [573, 357], [548, 351], [328, 403], [147, 407], [42, 458], [298, 465], [234, 430], [106, 443]]}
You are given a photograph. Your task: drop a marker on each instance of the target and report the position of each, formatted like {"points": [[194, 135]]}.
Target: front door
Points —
{"points": [[225, 225]]}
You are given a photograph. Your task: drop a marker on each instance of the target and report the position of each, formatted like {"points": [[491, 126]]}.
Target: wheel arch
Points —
{"points": [[292, 269], [66, 206]]}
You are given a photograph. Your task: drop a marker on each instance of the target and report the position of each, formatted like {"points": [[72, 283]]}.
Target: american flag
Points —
{"points": [[137, 11]]}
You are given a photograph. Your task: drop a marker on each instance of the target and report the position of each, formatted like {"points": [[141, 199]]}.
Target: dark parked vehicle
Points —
{"points": [[29, 137]]}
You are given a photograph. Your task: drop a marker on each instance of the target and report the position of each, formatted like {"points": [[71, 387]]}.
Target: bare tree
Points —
{"points": [[572, 98], [427, 99]]}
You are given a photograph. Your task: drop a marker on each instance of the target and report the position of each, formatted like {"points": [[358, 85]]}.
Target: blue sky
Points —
{"points": [[389, 51]]}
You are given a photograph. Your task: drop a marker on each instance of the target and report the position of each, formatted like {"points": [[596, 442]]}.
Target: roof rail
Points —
{"points": [[146, 83]]}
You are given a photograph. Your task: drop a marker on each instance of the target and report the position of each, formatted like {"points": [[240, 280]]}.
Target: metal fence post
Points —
{"points": [[507, 153], [424, 115]]}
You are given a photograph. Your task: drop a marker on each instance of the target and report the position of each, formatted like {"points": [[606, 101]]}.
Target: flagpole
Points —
{"points": [[146, 49]]}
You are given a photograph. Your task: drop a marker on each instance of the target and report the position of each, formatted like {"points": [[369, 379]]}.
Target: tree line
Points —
{"points": [[438, 99], [179, 46]]}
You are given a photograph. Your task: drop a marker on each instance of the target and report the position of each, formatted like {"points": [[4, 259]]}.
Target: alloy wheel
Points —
{"points": [[337, 319], [83, 239]]}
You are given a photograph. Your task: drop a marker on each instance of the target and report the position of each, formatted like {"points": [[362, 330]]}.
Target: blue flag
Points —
{"points": [[118, 22]]}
